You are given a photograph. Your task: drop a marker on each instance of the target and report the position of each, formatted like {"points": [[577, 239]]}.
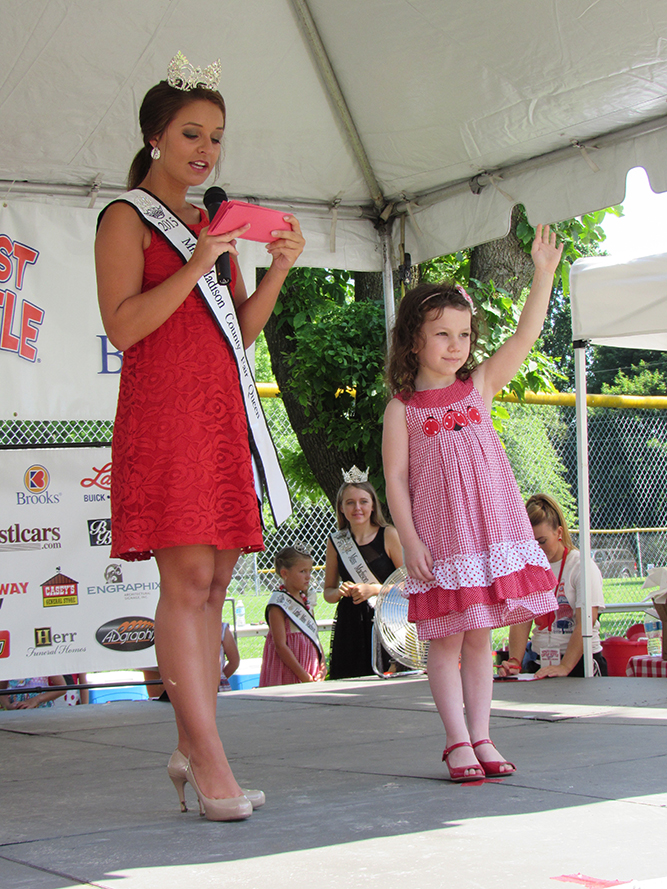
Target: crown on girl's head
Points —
{"points": [[354, 476], [184, 76]]}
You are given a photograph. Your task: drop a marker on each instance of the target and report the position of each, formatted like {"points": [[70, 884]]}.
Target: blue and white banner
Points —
{"points": [[65, 607]]}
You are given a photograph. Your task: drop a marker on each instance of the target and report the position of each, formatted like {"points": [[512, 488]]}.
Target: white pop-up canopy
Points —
{"points": [[351, 113], [620, 304]]}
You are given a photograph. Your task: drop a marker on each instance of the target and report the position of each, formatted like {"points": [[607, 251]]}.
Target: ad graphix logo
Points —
{"points": [[126, 634]]}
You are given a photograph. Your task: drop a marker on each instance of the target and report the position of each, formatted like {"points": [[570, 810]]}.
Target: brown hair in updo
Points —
{"points": [[160, 106], [413, 312], [543, 508]]}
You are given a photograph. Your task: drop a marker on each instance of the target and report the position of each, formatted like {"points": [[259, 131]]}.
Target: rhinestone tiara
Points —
{"points": [[184, 76], [354, 476]]}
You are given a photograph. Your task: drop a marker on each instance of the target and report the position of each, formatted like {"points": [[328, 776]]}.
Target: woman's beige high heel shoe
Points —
{"points": [[177, 770], [236, 808]]}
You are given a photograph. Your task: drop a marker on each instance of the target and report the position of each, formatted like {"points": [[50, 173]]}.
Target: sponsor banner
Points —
{"points": [[65, 606], [55, 360]]}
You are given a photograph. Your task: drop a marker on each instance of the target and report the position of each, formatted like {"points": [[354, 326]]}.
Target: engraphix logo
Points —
{"points": [[99, 532], [113, 573]]}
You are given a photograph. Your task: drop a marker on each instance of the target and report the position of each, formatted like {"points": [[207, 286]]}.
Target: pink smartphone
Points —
{"points": [[234, 214]]}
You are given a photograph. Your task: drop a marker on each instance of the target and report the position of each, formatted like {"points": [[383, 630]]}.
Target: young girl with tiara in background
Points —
{"points": [[472, 560], [292, 651]]}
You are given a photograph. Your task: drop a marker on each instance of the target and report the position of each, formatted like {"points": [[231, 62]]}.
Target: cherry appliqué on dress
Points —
{"points": [[452, 421]]}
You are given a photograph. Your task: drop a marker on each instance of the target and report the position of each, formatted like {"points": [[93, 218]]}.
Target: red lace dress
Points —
{"points": [[181, 467]]}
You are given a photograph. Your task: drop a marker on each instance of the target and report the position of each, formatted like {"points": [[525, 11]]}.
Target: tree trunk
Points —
{"points": [[324, 459], [368, 286], [505, 262]]}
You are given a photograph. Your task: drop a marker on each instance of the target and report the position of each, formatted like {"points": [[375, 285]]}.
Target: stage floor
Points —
{"points": [[355, 790]]}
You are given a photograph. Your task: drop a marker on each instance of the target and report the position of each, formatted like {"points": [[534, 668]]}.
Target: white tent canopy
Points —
{"points": [[349, 111], [620, 304]]}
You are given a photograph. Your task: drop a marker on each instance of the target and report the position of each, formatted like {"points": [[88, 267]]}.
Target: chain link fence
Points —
{"points": [[628, 494]]}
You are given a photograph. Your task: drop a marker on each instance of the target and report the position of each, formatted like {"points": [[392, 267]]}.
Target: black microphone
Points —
{"points": [[213, 197]]}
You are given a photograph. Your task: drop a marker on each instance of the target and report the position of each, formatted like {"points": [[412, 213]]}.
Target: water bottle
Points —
{"points": [[240, 613], [653, 630]]}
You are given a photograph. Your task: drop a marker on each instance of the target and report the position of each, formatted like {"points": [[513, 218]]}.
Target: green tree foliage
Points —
{"points": [[645, 381], [336, 366], [609, 367]]}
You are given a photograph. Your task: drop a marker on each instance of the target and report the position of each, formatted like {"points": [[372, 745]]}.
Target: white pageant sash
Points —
{"points": [[266, 466], [298, 615], [347, 549]]}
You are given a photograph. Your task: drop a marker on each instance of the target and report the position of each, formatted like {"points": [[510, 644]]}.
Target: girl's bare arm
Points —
{"points": [[395, 457], [501, 367]]}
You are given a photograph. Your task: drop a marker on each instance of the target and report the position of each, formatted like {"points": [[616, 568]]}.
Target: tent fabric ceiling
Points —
{"points": [[440, 93]]}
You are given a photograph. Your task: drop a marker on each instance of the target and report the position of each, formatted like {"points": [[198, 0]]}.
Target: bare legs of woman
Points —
{"points": [[470, 685], [193, 585]]}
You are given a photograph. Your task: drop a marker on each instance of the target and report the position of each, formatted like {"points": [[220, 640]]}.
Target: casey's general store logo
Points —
{"points": [[20, 320], [60, 590]]}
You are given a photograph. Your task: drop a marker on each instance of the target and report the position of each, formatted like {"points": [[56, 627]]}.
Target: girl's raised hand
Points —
{"points": [[288, 246], [545, 252]]}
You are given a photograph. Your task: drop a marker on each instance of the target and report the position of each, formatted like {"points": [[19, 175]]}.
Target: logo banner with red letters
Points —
{"points": [[55, 360], [65, 606]]}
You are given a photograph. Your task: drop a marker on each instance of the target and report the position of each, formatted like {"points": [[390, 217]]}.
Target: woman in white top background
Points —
{"points": [[556, 642]]}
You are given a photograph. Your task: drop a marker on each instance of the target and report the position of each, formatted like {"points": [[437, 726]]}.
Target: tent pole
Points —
{"points": [[387, 281], [584, 502], [312, 36]]}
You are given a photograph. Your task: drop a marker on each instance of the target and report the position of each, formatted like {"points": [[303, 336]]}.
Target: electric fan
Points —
{"points": [[397, 635]]}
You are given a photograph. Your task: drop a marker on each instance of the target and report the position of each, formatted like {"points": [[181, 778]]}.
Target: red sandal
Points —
{"points": [[494, 769], [457, 774]]}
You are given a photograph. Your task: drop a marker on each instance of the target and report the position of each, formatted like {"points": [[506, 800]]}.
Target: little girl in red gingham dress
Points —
{"points": [[470, 554]]}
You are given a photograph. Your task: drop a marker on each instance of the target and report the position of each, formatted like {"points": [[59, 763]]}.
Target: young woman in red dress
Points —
{"points": [[182, 479]]}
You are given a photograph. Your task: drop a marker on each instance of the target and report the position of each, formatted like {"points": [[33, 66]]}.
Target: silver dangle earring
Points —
{"points": [[155, 153]]}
